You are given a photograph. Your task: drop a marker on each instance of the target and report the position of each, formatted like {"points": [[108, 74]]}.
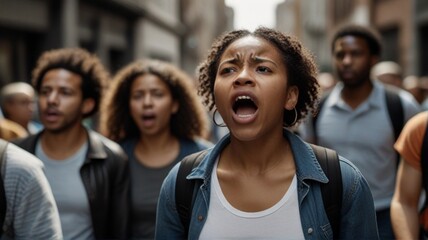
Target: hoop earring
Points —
{"points": [[295, 117], [215, 122]]}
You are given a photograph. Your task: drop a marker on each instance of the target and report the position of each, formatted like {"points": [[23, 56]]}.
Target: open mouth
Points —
{"points": [[148, 117], [244, 106]]}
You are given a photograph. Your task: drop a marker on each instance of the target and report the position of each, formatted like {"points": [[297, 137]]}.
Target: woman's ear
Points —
{"points": [[88, 105], [292, 97]]}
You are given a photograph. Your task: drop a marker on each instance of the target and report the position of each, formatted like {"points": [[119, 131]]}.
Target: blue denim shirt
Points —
{"points": [[358, 219]]}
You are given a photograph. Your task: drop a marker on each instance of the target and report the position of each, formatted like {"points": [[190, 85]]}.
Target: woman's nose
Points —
{"points": [[147, 100], [244, 78]]}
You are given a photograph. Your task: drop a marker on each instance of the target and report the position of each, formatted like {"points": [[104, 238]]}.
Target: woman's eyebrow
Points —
{"points": [[232, 60], [258, 59]]}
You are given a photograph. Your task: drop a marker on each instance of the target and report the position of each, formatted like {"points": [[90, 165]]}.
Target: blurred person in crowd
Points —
{"points": [[413, 85], [17, 103], [153, 111], [31, 211], [388, 72], [353, 116], [11, 130], [261, 174], [405, 216], [88, 173]]}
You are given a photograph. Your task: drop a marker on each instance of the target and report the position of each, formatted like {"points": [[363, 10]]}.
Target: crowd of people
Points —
{"points": [[261, 178]]}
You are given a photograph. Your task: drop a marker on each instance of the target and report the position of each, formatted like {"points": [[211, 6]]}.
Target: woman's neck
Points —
{"points": [[156, 142], [257, 156], [158, 150]]}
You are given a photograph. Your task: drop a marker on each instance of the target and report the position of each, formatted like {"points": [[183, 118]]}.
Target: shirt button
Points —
{"points": [[200, 218], [310, 230]]}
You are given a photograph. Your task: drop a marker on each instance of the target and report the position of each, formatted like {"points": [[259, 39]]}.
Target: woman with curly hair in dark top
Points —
{"points": [[262, 181], [153, 111]]}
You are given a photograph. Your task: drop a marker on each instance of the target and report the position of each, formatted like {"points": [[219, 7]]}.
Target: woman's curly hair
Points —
{"points": [[116, 122], [77, 60], [301, 69]]}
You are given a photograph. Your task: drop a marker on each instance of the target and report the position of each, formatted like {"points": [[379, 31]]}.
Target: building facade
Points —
{"points": [[118, 31], [403, 25]]}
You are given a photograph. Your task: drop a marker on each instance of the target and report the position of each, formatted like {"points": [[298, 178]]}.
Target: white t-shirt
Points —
{"points": [[281, 221]]}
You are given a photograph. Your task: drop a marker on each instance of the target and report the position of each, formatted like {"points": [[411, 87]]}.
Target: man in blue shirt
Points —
{"points": [[354, 118]]}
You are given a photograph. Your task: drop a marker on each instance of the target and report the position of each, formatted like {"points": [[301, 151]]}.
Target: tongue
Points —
{"points": [[245, 110]]}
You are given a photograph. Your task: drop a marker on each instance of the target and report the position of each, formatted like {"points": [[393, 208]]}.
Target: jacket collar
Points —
{"points": [[95, 150], [96, 147], [307, 166]]}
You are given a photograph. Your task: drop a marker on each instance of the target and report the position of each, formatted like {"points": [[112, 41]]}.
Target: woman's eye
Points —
{"points": [[136, 96], [226, 70], [44, 92], [158, 94], [263, 69], [67, 93]]}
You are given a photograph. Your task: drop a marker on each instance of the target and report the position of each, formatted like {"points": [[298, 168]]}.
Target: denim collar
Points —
{"points": [[307, 166]]}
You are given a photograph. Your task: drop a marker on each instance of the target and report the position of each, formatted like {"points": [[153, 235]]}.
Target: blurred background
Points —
{"points": [[181, 31]]}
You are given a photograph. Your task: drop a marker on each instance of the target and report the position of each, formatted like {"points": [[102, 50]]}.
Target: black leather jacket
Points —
{"points": [[105, 177]]}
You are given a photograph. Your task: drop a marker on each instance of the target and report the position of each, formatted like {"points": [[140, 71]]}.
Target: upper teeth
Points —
{"points": [[242, 97]]}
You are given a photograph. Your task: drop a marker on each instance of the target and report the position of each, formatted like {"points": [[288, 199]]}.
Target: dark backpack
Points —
{"points": [[395, 112], [3, 145], [331, 191], [424, 165]]}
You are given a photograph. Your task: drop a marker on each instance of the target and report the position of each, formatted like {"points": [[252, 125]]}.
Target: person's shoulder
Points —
{"points": [[345, 163], [409, 103], [419, 120], [26, 143], [128, 144], [405, 96], [351, 175], [20, 161]]}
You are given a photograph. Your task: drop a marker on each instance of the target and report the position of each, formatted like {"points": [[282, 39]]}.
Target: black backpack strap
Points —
{"points": [[424, 151], [396, 114], [395, 110], [3, 146], [184, 188], [424, 164], [333, 190]]}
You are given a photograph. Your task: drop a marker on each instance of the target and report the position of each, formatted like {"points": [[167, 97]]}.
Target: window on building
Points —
{"points": [[342, 9], [391, 47], [117, 60], [423, 50]]}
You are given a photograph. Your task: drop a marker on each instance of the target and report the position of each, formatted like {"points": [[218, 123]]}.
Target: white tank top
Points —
{"points": [[281, 221]]}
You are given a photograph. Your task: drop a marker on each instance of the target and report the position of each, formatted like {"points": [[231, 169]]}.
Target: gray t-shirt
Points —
{"points": [[145, 187], [69, 192], [365, 136]]}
